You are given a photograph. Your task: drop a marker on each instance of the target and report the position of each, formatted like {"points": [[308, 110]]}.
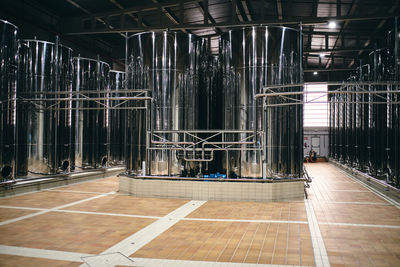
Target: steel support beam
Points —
{"points": [[337, 50], [306, 21], [329, 70]]}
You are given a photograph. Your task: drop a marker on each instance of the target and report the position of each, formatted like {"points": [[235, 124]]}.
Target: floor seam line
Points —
{"points": [[139, 239], [77, 257], [60, 186], [392, 202], [52, 209], [320, 253]]}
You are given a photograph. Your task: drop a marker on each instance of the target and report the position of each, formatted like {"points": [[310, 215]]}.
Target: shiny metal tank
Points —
{"points": [[167, 64], [44, 123], [361, 120], [210, 108], [380, 60], [8, 91], [394, 109], [350, 122], [252, 58], [90, 119], [117, 120]]}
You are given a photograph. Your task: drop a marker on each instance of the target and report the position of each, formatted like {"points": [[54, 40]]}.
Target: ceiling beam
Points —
{"points": [[134, 17], [352, 10], [279, 9], [210, 19], [105, 22], [338, 50], [328, 70], [213, 24], [247, 9], [362, 34], [377, 30], [314, 12], [240, 11], [136, 9], [169, 14]]}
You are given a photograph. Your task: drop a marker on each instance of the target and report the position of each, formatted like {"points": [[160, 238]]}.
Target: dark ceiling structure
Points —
{"points": [[100, 26]]}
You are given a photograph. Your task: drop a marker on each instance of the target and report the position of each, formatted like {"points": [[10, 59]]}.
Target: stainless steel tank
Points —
{"points": [[117, 119], [350, 122], [8, 91], [167, 64], [331, 99], [393, 122], [361, 119], [44, 122], [380, 60], [252, 58], [90, 117], [210, 108]]}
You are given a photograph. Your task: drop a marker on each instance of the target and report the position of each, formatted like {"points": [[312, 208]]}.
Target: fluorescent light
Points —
{"points": [[315, 73], [332, 25]]}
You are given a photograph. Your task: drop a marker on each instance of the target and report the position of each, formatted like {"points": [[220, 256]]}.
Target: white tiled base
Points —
{"points": [[224, 191]]}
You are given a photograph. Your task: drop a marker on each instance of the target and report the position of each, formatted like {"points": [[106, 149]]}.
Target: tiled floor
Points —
{"points": [[248, 242], [20, 261], [356, 244], [44, 199], [7, 214], [294, 211], [82, 233], [131, 205], [358, 228]]}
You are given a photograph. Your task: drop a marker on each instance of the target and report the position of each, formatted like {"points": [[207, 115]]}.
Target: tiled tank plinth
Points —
{"points": [[206, 190]]}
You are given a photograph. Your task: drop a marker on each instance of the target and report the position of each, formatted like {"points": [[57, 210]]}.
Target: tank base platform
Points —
{"points": [[30, 184], [257, 190], [374, 184]]}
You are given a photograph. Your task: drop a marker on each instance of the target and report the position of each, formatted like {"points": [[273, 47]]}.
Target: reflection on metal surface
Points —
{"points": [[253, 58], [8, 91], [365, 126], [167, 63], [117, 120], [91, 119], [44, 125]]}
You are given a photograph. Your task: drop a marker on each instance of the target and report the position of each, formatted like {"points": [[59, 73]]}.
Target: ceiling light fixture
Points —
{"points": [[315, 73], [332, 25]]}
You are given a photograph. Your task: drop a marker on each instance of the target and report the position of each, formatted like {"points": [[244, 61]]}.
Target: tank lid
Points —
{"points": [[265, 26], [7, 22], [160, 31], [45, 42], [117, 71], [91, 59], [379, 50]]}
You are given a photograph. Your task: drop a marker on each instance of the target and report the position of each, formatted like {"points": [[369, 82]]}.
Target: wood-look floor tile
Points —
{"points": [[112, 179], [44, 199], [93, 186], [362, 246], [293, 211], [19, 261], [131, 205], [7, 214], [71, 232], [232, 242], [356, 213]]}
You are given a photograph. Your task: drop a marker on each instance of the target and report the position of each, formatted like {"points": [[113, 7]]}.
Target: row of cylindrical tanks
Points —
{"points": [[60, 113], [194, 95], [43, 130], [365, 116]]}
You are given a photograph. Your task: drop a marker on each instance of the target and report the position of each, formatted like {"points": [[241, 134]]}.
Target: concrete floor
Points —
{"points": [[342, 223]]}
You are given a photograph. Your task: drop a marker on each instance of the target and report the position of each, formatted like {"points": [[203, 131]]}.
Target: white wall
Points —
{"points": [[316, 132]]}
